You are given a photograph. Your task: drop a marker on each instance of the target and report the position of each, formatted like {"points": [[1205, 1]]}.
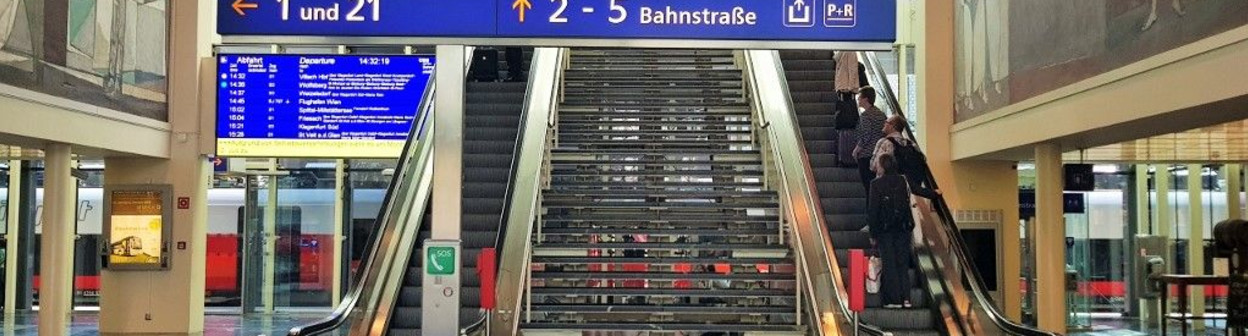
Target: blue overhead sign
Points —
{"points": [[766, 20]]}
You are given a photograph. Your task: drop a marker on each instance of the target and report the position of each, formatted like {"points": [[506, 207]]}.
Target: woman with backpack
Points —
{"points": [[891, 222]]}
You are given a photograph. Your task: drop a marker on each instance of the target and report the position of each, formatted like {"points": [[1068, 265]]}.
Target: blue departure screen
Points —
{"points": [[766, 20], [355, 106]]}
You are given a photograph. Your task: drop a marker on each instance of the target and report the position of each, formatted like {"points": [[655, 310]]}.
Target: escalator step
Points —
{"points": [[845, 222], [491, 121], [484, 109]]}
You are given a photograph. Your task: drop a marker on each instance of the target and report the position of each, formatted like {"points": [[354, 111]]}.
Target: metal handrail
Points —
{"points": [[778, 115], [400, 188], [948, 228], [525, 193]]}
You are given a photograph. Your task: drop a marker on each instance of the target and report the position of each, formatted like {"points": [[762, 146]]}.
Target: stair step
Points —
{"points": [[665, 83], [625, 53], [639, 115], [662, 276], [686, 292], [657, 326], [664, 246], [564, 108], [666, 123], [653, 152], [651, 133], [609, 60], [665, 143], [664, 90], [660, 260], [663, 218], [556, 204], [655, 232], [659, 309], [657, 194], [674, 163], [646, 185], [654, 174]]}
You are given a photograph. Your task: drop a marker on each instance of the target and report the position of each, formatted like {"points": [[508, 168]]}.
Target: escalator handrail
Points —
{"points": [[524, 200], [948, 225], [416, 136], [809, 177]]}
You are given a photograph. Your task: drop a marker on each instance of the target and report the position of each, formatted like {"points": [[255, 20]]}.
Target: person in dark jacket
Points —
{"points": [[891, 224]]}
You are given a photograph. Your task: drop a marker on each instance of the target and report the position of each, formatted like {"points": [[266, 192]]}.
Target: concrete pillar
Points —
{"points": [[1196, 238], [12, 232], [1234, 184], [169, 302], [1165, 216], [1050, 240], [1143, 226], [56, 252]]}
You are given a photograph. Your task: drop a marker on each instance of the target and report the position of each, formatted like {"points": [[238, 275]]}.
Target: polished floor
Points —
{"points": [[87, 323], [1127, 327]]}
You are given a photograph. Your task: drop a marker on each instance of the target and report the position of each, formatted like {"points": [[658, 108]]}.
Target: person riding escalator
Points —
{"points": [[891, 224]]}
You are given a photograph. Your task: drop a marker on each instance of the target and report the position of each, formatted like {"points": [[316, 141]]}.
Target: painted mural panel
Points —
{"points": [[1011, 50], [108, 53]]}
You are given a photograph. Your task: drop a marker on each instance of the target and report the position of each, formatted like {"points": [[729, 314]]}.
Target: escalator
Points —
{"points": [[388, 286], [492, 112], [841, 194], [949, 297]]}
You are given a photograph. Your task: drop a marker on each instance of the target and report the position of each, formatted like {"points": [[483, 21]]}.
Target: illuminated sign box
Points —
{"points": [[872, 23], [318, 106], [137, 227]]}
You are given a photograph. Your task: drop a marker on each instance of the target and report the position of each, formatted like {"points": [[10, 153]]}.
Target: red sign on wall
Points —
{"points": [[184, 203]]}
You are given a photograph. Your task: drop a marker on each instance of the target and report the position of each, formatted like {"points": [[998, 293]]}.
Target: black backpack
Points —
{"points": [[894, 215], [910, 161]]}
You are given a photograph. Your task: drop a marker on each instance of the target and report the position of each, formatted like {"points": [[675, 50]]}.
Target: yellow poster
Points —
{"points": [[136, 227]]}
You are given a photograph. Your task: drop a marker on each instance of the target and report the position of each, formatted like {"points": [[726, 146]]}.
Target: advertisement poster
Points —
{"points": [[137, 227]]}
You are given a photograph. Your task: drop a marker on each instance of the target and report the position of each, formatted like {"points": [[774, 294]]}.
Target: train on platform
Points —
{"points": [[305, 253], [304, 259]]}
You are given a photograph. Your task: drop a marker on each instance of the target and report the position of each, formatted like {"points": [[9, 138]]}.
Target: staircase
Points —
{"points": [[844, 201], [656, 218], [491, 121]]}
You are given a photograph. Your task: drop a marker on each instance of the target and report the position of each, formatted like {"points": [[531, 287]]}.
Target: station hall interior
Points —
{"points": [[623, 167]]}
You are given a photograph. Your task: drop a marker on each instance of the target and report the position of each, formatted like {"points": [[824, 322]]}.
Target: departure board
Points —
{"points": [[318, 106]]}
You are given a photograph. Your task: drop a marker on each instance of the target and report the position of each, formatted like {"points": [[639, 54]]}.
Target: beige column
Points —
{"points": [[169, 302], [11, 245], [1143, 215], [1234, 184], [1165, 215], [1142, 201], [56, 250], [1196, 238], [1050, 240]]}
